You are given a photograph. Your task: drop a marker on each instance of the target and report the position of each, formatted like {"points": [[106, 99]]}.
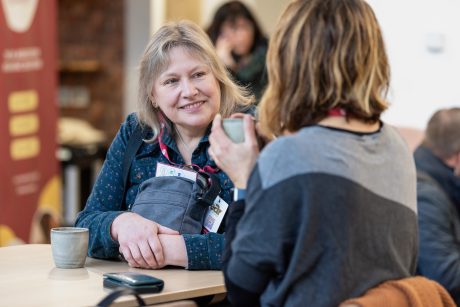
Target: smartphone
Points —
{"points": [[141, 283]]}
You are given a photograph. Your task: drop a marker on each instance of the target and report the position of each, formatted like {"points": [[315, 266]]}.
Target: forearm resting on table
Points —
{"points": [[174, 250]]}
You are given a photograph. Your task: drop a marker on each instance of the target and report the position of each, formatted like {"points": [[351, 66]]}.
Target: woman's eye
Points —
{"points": [[199, 74], [169, 81]]}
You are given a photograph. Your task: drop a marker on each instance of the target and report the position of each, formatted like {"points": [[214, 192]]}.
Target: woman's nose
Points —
{"points": [[189, 89]]}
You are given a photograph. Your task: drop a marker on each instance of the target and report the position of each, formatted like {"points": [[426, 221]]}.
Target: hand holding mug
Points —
{"points": [[235, 159]]}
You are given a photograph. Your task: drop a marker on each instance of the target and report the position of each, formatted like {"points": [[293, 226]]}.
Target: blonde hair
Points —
{"points": [[324, 54], [156, 59]]}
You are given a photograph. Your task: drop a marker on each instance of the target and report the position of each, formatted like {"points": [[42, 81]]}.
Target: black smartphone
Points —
{"points": [[141, 283]]}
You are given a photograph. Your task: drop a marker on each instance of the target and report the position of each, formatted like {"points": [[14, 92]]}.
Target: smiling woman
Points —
{"points": [[189, 95], [182, 87]]}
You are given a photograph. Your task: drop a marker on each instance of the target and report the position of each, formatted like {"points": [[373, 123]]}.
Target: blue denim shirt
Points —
{"points": [[105, 201]]}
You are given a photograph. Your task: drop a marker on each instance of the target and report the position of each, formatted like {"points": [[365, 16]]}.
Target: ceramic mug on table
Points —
{"points": [[69, 246]]}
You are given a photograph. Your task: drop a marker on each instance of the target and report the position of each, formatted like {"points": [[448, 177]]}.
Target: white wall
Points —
{"points": [[137, 33], [422, 80]]}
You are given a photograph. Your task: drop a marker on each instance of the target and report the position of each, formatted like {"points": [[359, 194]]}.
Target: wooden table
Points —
{"points": [[28, 277]]}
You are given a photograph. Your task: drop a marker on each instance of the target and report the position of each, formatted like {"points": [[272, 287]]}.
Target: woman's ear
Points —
{"points": [[153, 101]]}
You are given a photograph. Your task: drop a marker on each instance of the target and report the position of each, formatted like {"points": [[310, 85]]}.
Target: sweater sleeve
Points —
{"points": [[204, 252], [237, 295], [262, 237], [105, 201], [439, 255]]}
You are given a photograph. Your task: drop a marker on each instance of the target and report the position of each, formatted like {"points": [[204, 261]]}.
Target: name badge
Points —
{"points": [[169, 170], [215, 215]]}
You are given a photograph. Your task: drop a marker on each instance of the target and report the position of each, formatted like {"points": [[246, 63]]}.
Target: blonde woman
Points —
{"points": [[182, 87], [329, 209]]}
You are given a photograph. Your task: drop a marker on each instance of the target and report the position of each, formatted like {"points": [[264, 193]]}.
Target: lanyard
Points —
{"points": [[164, 151], [337, 112]]}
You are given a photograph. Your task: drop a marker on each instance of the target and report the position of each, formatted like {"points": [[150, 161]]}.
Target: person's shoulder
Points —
{"points": [[132, 120], [430, 192], [427, 185], [277, 147], [132, 123], [284, 158], [290, 145], [393, 134]]}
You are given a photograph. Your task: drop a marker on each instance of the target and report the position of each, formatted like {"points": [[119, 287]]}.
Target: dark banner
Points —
{"points": [[29, 171]]}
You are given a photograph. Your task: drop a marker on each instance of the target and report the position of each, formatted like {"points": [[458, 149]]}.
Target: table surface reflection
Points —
{"points": [[28, 277]]}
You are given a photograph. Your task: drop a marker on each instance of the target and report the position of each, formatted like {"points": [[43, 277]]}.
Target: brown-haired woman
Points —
{"points": [[330, 205], [241, 45]]}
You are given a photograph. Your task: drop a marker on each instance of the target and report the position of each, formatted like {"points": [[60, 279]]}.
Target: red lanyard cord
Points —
{"points": [[164, 151], [337, 112]]}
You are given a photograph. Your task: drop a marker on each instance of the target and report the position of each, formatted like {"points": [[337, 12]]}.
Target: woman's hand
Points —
{"points": [[139, 241], [236, 160], [224, 51]]}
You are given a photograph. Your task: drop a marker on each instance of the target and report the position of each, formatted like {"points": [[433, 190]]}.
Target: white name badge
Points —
{"points": [[215, 215], [169, 170]]}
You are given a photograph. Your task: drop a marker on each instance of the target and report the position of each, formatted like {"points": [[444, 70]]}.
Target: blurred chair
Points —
{"points": [[49, 212], [415, 291], [8, 237], [412, 136]]}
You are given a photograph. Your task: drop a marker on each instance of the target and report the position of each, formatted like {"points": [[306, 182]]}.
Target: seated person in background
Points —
{"points": [[241, 45], [183, 85], [438, 200], [330, 205]]}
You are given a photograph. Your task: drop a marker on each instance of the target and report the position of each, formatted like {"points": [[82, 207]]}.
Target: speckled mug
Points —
{"points": [[69, 246], [234, 128]]}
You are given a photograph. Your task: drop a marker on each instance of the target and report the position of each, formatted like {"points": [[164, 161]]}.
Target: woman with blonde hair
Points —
{"points": [[329, 208], [182, 87]]}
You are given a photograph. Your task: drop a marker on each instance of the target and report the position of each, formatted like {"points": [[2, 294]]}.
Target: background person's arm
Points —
{"points": [[439, 247]]}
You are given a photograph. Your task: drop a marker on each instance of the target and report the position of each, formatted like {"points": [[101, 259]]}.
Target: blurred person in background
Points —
{"points": [[438, 200], [182, 86], [329, 209], [241, 45]]}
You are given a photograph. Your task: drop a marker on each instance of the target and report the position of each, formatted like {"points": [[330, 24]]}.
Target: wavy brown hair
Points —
{"points": [[324, 54]]}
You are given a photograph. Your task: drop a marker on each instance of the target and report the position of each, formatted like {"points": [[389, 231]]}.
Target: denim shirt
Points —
{"points": [[104, 204]]}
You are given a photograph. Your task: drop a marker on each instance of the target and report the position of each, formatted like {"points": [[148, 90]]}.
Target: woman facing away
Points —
{"points": [[329, 209], [182, 87], [241, 45]]}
